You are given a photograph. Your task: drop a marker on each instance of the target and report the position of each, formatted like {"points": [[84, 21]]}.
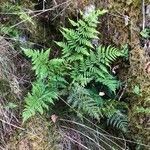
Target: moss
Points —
{"points": [[117, 29], [6, 92], [4, 86], [40, 134]]}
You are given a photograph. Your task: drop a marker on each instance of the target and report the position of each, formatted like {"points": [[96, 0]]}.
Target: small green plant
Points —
{"points": [[145, 33], [81, 71], [142, 110], [11, 105], [137, 90], [39, 99]]}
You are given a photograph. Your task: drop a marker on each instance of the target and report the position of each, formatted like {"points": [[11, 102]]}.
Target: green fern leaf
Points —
{"points": [[38, 100], [119, 121], [107, 55], [81, 99], [39, 60]]}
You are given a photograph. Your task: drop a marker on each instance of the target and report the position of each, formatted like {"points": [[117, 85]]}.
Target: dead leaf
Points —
{"points": [[147, 67], [54, 118]]}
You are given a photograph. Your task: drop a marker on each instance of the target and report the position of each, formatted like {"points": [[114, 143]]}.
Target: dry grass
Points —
{"points": [[11, 86]]}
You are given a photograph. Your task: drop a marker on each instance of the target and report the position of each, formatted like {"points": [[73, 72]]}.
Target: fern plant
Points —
{"points": [[40, 61], [81, 71], [49, 78], [96, 66], [87, 63]]}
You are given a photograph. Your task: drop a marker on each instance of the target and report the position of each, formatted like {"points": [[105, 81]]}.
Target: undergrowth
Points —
{"points": [[79, 75]]}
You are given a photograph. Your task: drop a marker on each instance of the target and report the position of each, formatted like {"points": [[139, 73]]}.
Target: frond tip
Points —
{"points": [[39, 61]]}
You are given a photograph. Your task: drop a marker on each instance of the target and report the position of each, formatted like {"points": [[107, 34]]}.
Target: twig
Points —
{"points": [[60, 12], [12, 125], [28, 11], [143, 12], [106, 135], [85, 136], [71, 139], [40, 12], [97, 132], [122, 93]]}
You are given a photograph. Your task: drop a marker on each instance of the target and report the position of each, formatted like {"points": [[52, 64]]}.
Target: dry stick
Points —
{"points": [[60, 12], [34, 11], [19, 40], [55, 3], [92, 123], [125, 144], [23, 129], [143, 12], [44, 1], [104, 135], [85, 136], [107, 135], [122, 93], [12, 125], [74, 141], [97, 136]]}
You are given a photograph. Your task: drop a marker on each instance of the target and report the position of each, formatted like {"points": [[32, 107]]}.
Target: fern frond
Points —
{"points": [[81, 99], [90, 103], [39, 99], [119, 121], [109, 82], [39, 61], [107, 55], [55, 64], [93, 67], [78, 42]]}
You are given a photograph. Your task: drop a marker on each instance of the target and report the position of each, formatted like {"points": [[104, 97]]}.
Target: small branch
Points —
{"points": [[143, 12], [55, 3], [122, 93], [12, 125]]}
